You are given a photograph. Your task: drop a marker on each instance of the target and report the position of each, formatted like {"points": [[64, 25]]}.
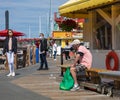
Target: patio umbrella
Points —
{"points": [[3, 33]]}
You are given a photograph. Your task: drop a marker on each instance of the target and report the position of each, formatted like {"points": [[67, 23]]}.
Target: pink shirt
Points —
{"points": [[87, 57]]}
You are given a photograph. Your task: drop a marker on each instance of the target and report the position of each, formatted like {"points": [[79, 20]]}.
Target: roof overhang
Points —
{"points": [[80, 8]]}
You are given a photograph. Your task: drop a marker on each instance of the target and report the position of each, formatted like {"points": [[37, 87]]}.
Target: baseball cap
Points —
{"points": [[76, 41]]}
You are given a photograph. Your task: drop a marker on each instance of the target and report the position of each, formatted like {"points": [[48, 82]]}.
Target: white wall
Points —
{"points": [[99, 58]]}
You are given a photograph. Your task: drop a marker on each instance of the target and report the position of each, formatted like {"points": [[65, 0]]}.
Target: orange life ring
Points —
{"points": [[112, 55]]}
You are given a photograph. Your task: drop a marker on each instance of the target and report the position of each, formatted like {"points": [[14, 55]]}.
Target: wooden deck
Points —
{"points": [[46, 83]]}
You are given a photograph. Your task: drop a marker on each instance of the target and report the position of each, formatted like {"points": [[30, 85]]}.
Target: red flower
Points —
{"points": [[68, 25]]}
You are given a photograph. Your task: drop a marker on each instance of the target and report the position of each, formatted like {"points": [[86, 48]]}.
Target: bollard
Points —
{"points": [[61, 56]]}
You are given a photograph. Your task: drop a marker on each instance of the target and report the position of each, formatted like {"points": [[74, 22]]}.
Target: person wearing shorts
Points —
{"points": [[84, 57]]}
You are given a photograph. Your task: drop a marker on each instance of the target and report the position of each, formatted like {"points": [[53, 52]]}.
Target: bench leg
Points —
{"points": [[63, 70], [61, 73]]}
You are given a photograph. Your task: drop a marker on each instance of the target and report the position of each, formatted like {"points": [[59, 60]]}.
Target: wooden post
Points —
{"points": [[92, 22], [24, 57], [117, 84], [115, 9], [113, 27], [33, 55], [15, 61], [28, 56]]}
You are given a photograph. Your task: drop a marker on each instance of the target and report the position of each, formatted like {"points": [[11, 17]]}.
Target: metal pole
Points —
{"points": [[61, 56], [47, 24], [29, 31], [6, 19], [49, 19], [39, 24]]}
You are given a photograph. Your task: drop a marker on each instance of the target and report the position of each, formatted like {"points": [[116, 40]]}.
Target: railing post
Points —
{"points": [[61, 61], [61, 56]]}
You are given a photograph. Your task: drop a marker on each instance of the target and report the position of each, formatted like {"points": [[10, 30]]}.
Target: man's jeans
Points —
{"points": [[43, 60], [55, 53]]}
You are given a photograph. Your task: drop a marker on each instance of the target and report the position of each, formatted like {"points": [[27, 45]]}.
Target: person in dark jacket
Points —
{"points": [[43, 52], [10, 49]]}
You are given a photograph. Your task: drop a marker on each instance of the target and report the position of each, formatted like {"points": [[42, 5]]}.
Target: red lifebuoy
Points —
{"points": [[112, 55]]}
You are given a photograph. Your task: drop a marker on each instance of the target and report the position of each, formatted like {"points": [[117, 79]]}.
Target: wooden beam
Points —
{"points": [[100, 24], [92, 22], [75, 15], [105, 16], [115, 13], [117, 20]]}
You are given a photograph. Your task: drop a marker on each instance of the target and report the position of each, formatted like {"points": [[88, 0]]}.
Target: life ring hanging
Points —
{"points": [[112, 55]]}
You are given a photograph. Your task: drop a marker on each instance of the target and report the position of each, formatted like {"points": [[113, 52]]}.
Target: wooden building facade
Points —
{"points": [[101, 27]]}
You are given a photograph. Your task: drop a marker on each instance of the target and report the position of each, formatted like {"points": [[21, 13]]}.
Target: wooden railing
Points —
{"points": [[22, 58]]}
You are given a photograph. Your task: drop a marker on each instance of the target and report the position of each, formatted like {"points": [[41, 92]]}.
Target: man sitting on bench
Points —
{"points": [[84, 57]]}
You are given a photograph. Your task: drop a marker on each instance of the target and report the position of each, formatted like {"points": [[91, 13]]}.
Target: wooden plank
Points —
{"points": [[42, 85], [94, 76], [65, 65], [114, 75]]}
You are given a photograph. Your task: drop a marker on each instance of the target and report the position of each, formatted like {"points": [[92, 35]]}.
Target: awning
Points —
{"points": [[79, 8]]}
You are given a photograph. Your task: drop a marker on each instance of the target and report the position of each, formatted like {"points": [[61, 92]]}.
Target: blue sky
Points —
{"points": [[28, 16]]}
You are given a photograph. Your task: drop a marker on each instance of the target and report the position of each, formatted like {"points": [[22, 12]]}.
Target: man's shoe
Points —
{"points": [[40, 69], [75, 88], [10, 74], [46, 68], [13, 74]]}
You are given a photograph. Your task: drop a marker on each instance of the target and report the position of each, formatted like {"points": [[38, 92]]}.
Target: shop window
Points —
{"points": [[103, 37]]}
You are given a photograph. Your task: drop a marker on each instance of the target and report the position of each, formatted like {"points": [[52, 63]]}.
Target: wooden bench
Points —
{"points": [[93, 74], [113, 75], [94, 82], [104, 87]]}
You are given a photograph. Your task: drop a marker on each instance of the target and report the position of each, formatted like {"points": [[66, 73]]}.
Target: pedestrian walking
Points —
{"points": [[43, 52], [50, 49], [10, 50], [54, 49], [66, 51]]}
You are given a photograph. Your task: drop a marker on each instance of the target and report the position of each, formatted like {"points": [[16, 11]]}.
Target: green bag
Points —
{"points": [[67, 81]]}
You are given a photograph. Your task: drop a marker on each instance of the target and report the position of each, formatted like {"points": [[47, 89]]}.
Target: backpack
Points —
{"points": [[67, 82]]}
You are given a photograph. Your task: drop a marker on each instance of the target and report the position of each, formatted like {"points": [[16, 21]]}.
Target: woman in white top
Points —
{"points": [[54, 49]]}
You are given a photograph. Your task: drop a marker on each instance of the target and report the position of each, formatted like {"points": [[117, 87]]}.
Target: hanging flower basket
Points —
{"points": [[68, 25]]}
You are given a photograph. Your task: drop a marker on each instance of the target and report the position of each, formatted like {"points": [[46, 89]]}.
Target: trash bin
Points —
{"points": [[37, 55]]}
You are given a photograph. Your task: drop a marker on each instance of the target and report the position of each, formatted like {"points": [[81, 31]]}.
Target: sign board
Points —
{"points": [[77, 35], [60, 34]]}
